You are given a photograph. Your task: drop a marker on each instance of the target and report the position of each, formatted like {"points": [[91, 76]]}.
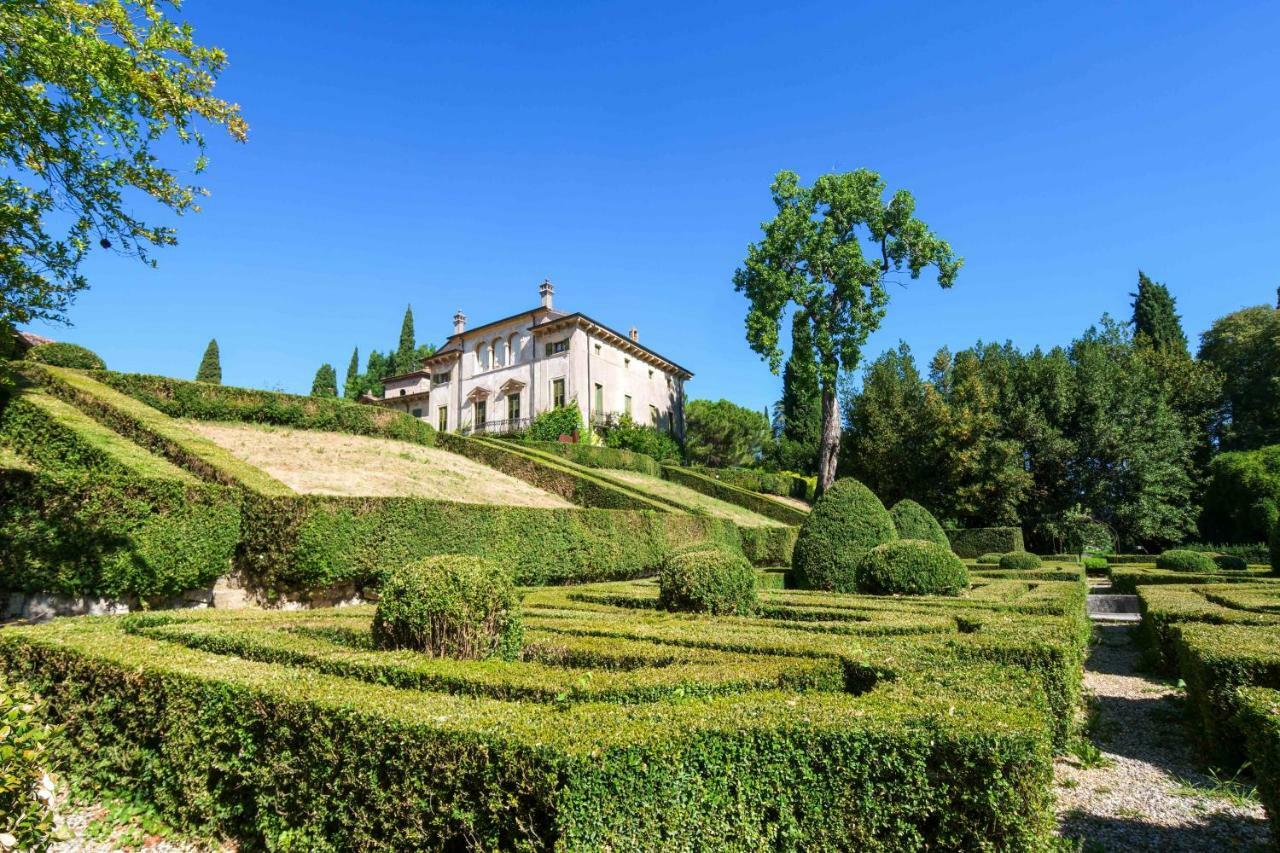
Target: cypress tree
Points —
{"points": [[326, 382], [1155, 319], [351, 388], [211, 365], [798, 418], [403, 360]]}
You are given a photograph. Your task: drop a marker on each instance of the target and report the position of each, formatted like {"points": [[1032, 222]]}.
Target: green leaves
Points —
{"points": [[26, 821], [88, 92]]}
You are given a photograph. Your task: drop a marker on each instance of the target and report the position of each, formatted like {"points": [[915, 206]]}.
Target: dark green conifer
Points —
{"points": [[326, 382], [1155, 319], [211, 365]]}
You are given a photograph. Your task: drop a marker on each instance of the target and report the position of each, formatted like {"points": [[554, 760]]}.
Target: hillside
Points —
{"points": [[332, 463]]}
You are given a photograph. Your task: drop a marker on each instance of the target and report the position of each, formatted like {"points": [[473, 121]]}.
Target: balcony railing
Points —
{"points": [[496, 427]]}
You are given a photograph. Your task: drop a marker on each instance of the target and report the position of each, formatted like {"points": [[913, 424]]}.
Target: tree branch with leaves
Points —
{"points": [[826, 253]]}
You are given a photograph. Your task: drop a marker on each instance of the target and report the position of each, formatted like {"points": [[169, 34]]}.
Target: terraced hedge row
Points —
{"points": [[766, 482], [827, 722], [757, 503], [1128, 578], [203, 401], [976, 541], [1224, 640], [596, 456]]}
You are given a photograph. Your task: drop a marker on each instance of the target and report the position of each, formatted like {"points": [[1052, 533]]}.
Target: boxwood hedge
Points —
{"points": [[974, 541], [846, 522], [1179, 560], [730, 493], [597, 456], [913, 521], [1259, 719]]}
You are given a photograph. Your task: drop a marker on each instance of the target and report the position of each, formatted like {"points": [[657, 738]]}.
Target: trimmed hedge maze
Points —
{"points": [[1224, 641], [820, 722]]}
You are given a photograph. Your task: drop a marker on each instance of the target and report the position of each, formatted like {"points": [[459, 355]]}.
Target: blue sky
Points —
{"points": [[453, 155]]}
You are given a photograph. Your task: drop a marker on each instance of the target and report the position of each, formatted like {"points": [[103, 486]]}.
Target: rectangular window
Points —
{"points": [[440, 378], [442, 419], [482, 413], [513, 407], [653, 416], [626, 405], [557, 393], [597, 402], [557, 347]]}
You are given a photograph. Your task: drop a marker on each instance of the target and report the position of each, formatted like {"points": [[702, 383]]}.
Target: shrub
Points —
{"points": [[729, 493], [846, 522], [1275, 549], [1230, 562], [1020, 560], [625, 434], [1253, 553], [1096, 564], [1242, 494], [973, 541], [25, 787], [992, 559], [707, 580], [1179, 560], [593, 456], [782, 483], [66, 355], [913, 521], [1259, 719], [911, 567], [551, 424], [451, 605]]}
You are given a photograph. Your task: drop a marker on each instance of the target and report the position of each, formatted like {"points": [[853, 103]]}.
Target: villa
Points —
{"points": [[497, 377]]}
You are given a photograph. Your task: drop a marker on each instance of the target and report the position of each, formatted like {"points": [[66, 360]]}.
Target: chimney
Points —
{"points": [[546, 290], [459, 323], [635, 335]]}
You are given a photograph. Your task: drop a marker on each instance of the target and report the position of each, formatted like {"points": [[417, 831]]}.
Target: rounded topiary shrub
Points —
{"points": [[66, 355], [845, 523], [913, 521], [1230, 562], [1020, 560], [707, 580], [911, 567], [989, 559], [1180, 560], [450, 605], [1095, 564]]}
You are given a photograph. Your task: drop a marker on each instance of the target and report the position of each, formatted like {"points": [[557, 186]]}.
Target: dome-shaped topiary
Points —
{"points": [[450, 605], [913, 521], [1230, 562], [66, 355], [992, 559], [845, 523], [911, 567], [1180, 560], [707, 580], [1020, 560]]}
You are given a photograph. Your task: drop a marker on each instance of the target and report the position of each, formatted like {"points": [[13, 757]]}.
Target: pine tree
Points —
{"points": [[211, 365], [351, 388], [326, 382], [405, 358], [1155, 320], [798, 415]]}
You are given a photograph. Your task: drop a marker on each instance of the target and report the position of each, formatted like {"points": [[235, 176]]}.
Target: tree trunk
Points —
{"points": [[829, 449]]}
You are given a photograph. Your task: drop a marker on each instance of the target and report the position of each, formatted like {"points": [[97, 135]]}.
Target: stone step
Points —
{"points": [[1113, 608]]}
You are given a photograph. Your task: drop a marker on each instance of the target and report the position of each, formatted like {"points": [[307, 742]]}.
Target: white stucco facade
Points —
{"points": [[497, 376]]}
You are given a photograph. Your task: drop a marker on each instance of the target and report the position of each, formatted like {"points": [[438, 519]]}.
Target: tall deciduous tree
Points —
{"points": [[798, 416], [1245, 348], [351, 387], [325, 383], [210, 364], [91, 95], [827, 252], [1155, 317], [723, 434]]}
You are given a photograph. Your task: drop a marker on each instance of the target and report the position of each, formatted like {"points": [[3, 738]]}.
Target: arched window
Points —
{"points": [[499, 352], [513, 346], [482, 355]]}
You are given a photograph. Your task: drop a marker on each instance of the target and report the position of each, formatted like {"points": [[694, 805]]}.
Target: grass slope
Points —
{"points": [[687, 497]]}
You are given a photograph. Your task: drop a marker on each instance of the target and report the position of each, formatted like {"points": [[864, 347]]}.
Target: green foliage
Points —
{"points": [[592, 456], [325, 383], [913, 521], [985, 540], [451, 605], [26, 789], [553, 423], [626, 434], [66, 355], [992, 559], [1019, 560], [720, 490], [1274, 547], [1095, 563], [660, 717], [1155, 319], [707, 580], [1242, 495], [722, 434], [911, 567], [1259, 719], [1075, 532], [180, 399], [94, 93], [1253, 553], [351, 386], [797, 421], [846, 522], [1244, 346], [812, 257], [1230, 562], [1180, 560], [783, 483], [210, 369]]}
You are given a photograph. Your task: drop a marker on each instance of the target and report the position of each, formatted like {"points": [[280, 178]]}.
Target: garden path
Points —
{"points": [[1139, 787]]}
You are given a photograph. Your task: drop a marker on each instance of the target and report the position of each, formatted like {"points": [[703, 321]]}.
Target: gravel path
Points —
{"points": [[1148, 793]]}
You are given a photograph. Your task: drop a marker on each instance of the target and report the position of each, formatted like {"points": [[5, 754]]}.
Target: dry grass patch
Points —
{"points": [[688, 497], [331, 463]]}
